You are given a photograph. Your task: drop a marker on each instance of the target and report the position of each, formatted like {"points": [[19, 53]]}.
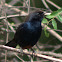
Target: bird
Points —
{"points": [[28, 33]]}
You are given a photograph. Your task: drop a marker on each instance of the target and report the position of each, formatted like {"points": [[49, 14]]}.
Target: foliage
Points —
{"points": [[53, 15]]}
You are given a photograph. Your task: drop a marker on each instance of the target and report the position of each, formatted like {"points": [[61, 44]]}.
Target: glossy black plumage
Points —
{"points": [[28, 33]]}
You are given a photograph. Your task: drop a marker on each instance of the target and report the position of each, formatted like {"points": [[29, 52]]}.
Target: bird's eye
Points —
{"points": [[40, 13], [37, 13]]}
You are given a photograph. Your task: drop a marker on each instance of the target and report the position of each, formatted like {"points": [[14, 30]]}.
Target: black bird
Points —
{"points": [[29, 32]]}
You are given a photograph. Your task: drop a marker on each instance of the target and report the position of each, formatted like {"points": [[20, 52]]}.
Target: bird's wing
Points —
{"points": [[20, 31]]}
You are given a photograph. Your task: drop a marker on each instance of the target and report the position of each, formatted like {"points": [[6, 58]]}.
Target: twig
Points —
{"points": [[19, 57], [28, 6], [30, 53], [15, 9], [9, 25], [24, 14], [53, 4], [22, 7], [45, 4], [51, 53]]}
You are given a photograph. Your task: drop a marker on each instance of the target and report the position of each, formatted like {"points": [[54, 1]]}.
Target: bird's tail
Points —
{"points": [[11, 43]]}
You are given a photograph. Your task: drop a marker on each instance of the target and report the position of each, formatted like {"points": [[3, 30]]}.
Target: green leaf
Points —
{"points": [[17, 46], [46, 34], [44, 20], [54, 14], [54, 24], [50, 16], [60, 18], [59, 10], [12, 23]]}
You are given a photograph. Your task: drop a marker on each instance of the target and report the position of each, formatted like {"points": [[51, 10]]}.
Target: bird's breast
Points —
{"points": [[33, 27]]}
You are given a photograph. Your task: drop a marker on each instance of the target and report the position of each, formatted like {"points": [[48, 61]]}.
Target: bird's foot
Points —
{"points": [[33, 52]]}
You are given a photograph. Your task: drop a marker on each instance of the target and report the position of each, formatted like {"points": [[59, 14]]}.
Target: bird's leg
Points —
{"points": [[37, 46], [31, 56], [21, 51], [33, 52]]}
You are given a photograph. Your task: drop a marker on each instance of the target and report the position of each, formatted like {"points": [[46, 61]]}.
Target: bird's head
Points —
{"points": [[37, 15]]}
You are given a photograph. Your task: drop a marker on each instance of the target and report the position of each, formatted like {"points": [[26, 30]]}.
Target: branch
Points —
{"points": [[51, 53], [45, 4], [30, 53], [50, 2], [52, 32], [25, 14]]}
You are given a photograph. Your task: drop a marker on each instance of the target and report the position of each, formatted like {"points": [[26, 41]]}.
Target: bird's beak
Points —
{"points": [[45, 13]]}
